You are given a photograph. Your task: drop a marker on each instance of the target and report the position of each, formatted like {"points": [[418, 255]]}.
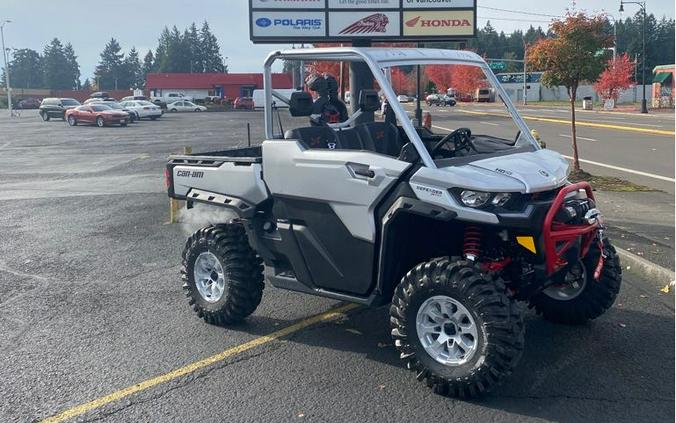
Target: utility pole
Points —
{"points": [[644, 101], [4, 55], [525, 76]]}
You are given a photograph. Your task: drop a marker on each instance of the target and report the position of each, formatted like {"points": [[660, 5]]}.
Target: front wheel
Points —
{"points": [[455, 327], [100, 122], [580, 297], [71, 121], [45, 116], [153, 117], [198, 110], [173, 110], [222, 275]]}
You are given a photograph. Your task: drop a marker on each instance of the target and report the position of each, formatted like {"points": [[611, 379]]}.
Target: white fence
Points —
{"points": [[538, 92]]}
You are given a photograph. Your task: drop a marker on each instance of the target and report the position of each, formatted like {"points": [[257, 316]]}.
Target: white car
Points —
{"points": [[142, 109], [185, 106], [404, 98]]}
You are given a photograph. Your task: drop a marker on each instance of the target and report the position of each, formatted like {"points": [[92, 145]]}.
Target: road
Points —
{"points": [[632, 146], [95, 324]]}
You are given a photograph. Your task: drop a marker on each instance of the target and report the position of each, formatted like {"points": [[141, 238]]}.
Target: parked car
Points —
{"points": [[440, 100], [143, 109], [98, 114], [135, 97], [185, 106], [172, 97], [246, 103], [99, 100], [56, 107], [404, 98], [29, 103]]}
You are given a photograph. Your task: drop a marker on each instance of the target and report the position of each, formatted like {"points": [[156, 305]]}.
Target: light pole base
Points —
{"points": [[644, 106]]}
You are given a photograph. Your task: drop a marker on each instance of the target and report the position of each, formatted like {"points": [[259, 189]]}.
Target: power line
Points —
{"points": [[511, 20], [519, 12]]}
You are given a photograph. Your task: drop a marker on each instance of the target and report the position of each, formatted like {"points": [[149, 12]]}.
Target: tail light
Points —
{"points": [[167, 178]]}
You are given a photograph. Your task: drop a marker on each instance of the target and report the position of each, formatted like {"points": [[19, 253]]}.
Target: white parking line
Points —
{"points": [[578, 137], [624, 169], [488, 123]]}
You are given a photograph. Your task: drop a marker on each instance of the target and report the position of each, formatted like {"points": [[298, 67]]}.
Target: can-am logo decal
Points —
{"points": [[418, 21], [370, 24]]}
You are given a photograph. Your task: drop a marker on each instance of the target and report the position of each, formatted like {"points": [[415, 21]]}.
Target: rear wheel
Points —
{"points": [[455, 327], [72, 121], [100, 122], [222, 275], [580, 297], [153, 118]]}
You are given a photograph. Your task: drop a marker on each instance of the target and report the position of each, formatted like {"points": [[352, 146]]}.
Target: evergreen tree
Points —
{"points": [[148, 63], [26, 69], [192, 39], [57, 68], [110, 72], [160, 63], [73, 66], [86, 85], [210, 51], [135, 78]]}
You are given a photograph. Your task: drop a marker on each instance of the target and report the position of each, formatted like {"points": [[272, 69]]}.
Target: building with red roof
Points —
{"points": [[223, 85]]}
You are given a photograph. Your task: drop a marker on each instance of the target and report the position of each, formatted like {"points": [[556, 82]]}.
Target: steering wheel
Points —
{"points": [[462, 139]]}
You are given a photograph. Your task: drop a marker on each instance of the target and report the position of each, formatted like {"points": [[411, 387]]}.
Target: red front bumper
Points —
{"points": [[559, 237]]}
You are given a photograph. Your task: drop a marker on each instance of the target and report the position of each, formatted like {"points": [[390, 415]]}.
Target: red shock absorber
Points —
{"points": [[472, 244]]}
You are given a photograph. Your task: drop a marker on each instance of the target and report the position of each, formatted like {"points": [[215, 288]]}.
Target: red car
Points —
{"points": [[96, 114], [243, 103]]}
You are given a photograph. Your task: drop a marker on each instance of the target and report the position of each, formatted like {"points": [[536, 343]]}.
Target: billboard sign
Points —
{"points": [[292, 21]]}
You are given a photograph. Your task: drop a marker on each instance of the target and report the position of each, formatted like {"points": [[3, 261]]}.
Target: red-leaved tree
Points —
{"points": [[403, 83], [616, 77], [570, 57], [467, 79], [441, 76]]}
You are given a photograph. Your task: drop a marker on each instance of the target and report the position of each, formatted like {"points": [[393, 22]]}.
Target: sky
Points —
{"points": [[88, 25]]}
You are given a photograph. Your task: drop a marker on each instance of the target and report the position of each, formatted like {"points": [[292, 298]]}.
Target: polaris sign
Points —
{"points": [[280, 24], [310, 21]]}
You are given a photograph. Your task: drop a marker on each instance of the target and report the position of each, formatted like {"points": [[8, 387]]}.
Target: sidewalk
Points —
{"points": [[641, 223]]}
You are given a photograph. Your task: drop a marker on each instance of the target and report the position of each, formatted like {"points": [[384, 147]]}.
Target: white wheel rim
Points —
{"points": [[447, 330], [209, 277]]}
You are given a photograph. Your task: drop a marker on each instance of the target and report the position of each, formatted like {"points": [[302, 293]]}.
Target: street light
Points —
{"points": [[4, 55], [614, 35], [644, 102]]}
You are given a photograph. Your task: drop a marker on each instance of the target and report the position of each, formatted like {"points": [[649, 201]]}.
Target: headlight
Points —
{"points": [[475, 198], [501, 199]]}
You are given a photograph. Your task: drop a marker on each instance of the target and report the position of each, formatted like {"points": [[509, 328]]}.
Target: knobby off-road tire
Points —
{"points": [[596, 297], [498, 323], [241, 269]]}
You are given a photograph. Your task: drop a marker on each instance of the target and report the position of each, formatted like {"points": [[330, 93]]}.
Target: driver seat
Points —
{"points": [[381, 137]]}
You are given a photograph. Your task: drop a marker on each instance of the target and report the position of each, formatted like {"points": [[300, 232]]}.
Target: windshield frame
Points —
{"points": [[378, 59]]}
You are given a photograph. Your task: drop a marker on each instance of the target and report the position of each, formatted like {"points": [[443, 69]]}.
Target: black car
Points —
{"points": [[56, 107]]}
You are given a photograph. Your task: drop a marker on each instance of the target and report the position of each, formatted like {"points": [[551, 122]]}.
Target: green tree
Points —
{"points": [[148, 64], [26, 69], [57, 68], [109, 72], [160, 63], [191, 38], [570, 57], [73, 66], [210, 51], [133, 72], [86, 85]]}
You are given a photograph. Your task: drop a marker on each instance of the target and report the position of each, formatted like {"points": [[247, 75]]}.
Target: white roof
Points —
{"points": [[383, 56]]}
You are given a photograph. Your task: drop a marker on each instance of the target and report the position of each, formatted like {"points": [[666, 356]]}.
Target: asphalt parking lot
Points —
{"points": [[96, 327]]}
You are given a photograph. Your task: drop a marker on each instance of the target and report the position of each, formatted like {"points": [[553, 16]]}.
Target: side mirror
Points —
{"points": [[369, 101], [300, 104]]}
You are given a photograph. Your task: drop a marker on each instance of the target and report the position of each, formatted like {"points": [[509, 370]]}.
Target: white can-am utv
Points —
{"points": [[452, 229]]}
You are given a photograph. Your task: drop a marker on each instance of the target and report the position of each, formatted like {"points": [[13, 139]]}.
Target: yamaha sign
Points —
{"points": [[293, 21]]}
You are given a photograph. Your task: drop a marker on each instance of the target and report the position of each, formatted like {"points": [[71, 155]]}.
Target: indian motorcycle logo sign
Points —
{"points": [[371, 24]]}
